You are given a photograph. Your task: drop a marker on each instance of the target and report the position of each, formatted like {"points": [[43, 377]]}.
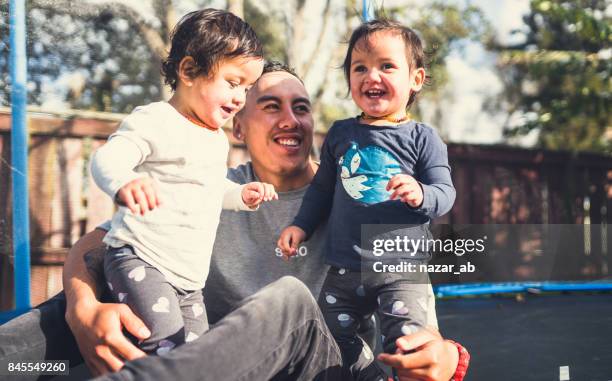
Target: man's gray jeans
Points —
{"points": [[278, 333]]}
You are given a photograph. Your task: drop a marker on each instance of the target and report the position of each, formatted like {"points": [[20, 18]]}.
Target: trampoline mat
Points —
{"points": [[532, 339]]}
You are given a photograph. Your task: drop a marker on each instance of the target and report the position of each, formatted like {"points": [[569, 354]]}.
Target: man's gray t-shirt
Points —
{"points": [[245, 257]]}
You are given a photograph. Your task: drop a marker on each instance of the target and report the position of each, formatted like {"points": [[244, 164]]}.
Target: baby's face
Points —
{"points": [[380, 77], [217, 99]]}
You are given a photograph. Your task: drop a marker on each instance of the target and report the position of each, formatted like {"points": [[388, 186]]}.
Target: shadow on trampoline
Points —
{"points": [[532, 338]]}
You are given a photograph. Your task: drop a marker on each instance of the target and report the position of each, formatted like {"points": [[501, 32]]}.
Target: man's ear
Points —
{"points": [[186, 71], [237, 128]]}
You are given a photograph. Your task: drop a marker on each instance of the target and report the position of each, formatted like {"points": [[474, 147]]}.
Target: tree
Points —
{"points": [[269, 29], [109, 52], [558, 79]]}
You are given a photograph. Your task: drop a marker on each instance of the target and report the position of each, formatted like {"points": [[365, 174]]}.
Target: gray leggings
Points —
{"points": [[350, 297], [173, 315]]}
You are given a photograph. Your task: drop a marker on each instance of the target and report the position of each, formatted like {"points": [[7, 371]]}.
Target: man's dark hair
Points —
{"points": [[209, 36], [275, 66], [414, 48]]}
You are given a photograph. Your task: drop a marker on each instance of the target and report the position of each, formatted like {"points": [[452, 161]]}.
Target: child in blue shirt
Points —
{"points": [[377, 168]]}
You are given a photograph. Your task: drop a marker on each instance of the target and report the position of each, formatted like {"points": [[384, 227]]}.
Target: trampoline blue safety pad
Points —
{"points": [[515, 287]]}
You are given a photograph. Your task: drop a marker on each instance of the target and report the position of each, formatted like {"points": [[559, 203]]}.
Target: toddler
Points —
{"points": [[166, 167], [377, 168]]}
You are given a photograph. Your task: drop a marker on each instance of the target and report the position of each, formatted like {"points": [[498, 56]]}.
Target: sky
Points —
{"points": [[473, 79]]}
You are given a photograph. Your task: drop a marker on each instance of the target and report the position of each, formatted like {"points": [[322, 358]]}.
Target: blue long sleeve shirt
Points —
{"points": [[357, 162]]}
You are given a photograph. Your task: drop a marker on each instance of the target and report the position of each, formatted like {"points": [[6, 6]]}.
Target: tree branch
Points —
{"points": [[326, 16], [334, 57], [296, 33], [236, 7]]}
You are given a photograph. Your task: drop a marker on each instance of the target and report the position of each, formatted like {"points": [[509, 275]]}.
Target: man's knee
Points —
{"points": [[52, 309], [41, 333], [290, 292], [292, 287], [26, 336], [288, 297]]}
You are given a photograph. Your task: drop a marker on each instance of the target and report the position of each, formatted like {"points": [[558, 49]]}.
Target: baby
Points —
{"points": [[166, 167], [377, 168]]}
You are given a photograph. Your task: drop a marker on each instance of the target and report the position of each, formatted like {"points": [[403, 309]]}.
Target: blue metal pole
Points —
{"points": [[366, 11], [19, 154]]}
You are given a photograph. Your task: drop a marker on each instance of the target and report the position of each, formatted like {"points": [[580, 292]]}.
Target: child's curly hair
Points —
{"points": [[209, 36], [414, 48]]}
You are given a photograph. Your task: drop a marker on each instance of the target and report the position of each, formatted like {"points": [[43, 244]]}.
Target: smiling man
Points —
{"points": [[276, 125]]}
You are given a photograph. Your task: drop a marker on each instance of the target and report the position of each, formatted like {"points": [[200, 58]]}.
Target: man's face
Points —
{"points": [[276, 125]]}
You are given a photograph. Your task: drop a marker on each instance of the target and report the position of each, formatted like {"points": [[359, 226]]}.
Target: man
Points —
{"points": [[277, 128]]}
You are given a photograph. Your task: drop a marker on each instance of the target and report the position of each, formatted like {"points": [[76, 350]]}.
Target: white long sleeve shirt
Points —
{"points": [[188, 166]]}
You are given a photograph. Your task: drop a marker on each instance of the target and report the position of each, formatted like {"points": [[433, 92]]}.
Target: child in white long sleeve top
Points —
{"points": [[166, 167]]}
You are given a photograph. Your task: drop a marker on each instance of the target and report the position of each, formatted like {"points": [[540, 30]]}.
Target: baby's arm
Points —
{"points": [[112, 169], [432, 192], [316, 204], [434, 174], [247, 196]]}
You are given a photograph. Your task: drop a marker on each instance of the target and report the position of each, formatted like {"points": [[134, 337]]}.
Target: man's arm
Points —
{"points": [[83, 274], [97, 327]]}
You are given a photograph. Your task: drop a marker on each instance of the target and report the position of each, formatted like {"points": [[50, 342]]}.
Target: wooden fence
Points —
{"points": [[495, 184]]}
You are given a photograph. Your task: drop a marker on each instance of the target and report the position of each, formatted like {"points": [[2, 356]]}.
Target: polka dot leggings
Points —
{"points": [[348, 297], [173, 315]]}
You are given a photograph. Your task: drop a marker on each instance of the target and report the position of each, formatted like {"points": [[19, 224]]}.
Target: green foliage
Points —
{"points": [[102, 56], [559, 78], [117, 69], [268, 30]]}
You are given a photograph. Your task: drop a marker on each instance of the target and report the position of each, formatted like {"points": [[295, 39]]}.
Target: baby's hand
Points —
{"points": [[407, 189], [139, 195], [255, 193], [290, 239]]}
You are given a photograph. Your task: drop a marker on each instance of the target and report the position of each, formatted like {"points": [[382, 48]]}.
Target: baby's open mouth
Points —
{"points": [[375, 93]]}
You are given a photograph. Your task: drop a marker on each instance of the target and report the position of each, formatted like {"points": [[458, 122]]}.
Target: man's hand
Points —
{"points": [[255, 193], [139, 195], [290, 239], [97, 329], [407, 189], [433, 360]]}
